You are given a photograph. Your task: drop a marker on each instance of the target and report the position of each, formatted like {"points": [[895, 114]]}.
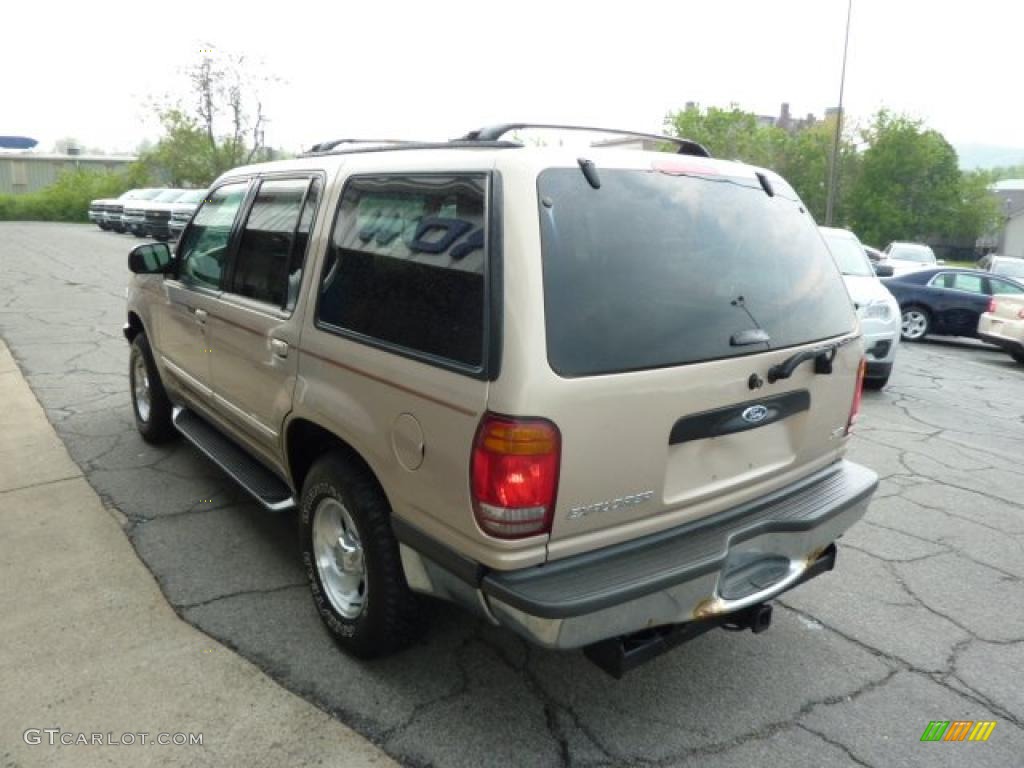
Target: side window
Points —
{"points": [[405, 264], [1003, 286], [942, 280], [264, 254], [968, 283], [203, 250]]}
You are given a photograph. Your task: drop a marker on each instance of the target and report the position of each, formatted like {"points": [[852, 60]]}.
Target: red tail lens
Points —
{"points": [[1020, 314], [858, 394], [991, 305], [514, 475]]}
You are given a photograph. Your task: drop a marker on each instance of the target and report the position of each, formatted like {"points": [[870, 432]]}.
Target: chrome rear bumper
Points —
{"points": [[701, 571]]}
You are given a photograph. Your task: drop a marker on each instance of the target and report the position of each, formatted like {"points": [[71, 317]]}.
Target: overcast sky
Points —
{"points": [[438, 68]]}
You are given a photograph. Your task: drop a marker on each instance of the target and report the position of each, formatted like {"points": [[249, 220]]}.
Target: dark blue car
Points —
{"points": [[945, 301]]}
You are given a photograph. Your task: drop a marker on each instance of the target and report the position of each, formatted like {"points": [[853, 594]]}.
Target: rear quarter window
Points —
{"points": [[406, 265]]}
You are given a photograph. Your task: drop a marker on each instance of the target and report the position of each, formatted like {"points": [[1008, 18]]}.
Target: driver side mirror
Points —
{"points": [[883, 270], [150, 259]]}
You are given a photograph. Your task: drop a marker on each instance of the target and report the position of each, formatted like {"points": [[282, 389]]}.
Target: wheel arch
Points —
{"points": [[305, 441], [134, 326]]}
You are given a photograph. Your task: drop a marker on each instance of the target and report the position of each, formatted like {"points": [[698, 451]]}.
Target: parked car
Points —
{"points": [[906, 257], [101, 211], [182, 210], [113, 210], [97, 212], [878, 311], [945, 301], [1007, 266], [140, 216], [1003, 324], [485, 372]]}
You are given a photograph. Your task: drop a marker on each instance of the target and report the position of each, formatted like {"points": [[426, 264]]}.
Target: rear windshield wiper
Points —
{"points": [[822, 357]]}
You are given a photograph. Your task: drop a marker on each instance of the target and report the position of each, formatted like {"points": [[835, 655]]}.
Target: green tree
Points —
{"points": [[978, 212], [804, 161], [908, 186], [183, 155], [218, 128], [731, 134]]}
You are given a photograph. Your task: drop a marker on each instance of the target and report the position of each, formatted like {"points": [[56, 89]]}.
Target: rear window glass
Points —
{"points": [[405, 265], [654, 270]]}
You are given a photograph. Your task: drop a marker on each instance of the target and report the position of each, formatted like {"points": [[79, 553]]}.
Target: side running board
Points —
{"points": [[270, 490]]}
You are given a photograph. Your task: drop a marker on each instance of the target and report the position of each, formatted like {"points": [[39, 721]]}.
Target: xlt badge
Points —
{"points": [[612, 505]]}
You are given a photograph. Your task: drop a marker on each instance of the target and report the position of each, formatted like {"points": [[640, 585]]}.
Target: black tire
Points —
{"points": [[1018, 356], [155, 425], [917, 334], [391, 616], [876, 383]]}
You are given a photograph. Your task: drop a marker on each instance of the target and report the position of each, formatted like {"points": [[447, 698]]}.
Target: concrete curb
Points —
{"points": [[91, 647]]}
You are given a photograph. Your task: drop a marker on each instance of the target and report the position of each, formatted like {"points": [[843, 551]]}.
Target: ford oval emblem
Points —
{"points": [[755, 414]]}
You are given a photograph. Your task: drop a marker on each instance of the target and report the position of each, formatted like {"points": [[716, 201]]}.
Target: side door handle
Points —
{"points": [[279, 347], [200, 315]]}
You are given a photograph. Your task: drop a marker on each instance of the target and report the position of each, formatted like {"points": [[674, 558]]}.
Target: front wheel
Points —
{"points": [[916, 323], [351, 559], [150, 404]]}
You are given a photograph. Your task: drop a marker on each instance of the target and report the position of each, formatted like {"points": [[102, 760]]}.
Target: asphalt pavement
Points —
{"points": [[922, 620], [95, 667]]}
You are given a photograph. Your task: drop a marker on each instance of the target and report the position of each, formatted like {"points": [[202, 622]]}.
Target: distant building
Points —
{"points": [[787, 122], [785, 119], [1008, 239], [24, 172]]}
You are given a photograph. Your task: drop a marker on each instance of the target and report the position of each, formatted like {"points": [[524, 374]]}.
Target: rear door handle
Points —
{"points": [[200, 314], [279, 347]]}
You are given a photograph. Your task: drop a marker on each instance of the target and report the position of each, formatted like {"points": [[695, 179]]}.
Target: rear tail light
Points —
{"points": [[858, 395], [991, 305], [1020, 314], [514, 475]]}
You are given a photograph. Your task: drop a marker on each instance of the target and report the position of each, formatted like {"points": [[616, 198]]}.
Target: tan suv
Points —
{"points": [[600, 398]]}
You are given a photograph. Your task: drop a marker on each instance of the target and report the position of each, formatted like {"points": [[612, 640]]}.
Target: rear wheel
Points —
{"points": [[915, 324], [150, 404], [351, 559]]}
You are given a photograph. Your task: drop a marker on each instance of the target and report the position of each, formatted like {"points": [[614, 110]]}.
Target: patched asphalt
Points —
{"points": [[922, 620]]}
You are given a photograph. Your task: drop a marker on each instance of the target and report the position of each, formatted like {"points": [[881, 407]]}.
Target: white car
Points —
{"points": [[907, 257], [1007, 266], [879, 312]]}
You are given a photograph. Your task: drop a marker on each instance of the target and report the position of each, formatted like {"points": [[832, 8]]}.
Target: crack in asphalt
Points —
{"points": [[184, 607], [837, 744]]}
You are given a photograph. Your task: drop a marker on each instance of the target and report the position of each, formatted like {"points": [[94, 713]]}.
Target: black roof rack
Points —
{"points": [[495, 132], [325, 146], [357, 146], [488, 137]]}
